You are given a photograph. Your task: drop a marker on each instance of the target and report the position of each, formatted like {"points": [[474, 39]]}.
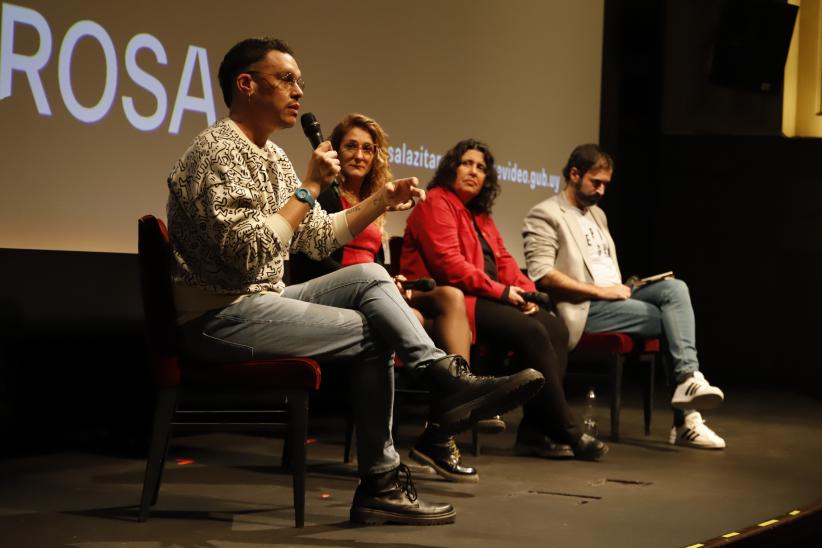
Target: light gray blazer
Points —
{"points": [[553, 240]]}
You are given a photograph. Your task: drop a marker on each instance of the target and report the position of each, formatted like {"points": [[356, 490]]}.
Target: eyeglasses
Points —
{"points": [[471, 163], [368, 149], [287, 78]]}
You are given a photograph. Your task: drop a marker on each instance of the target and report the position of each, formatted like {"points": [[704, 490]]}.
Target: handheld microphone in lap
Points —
{"points": [[311, 128], [537, 297], [420, 284]]}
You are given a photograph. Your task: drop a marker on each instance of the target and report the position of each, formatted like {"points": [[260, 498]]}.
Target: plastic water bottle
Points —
{"points": [[589, 417]]}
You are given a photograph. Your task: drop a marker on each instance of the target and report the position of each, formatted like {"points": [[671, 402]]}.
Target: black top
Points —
{"points": [[490, 260]]}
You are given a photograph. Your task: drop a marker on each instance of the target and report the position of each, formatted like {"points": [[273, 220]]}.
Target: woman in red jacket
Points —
{"points": [[452, 238]]}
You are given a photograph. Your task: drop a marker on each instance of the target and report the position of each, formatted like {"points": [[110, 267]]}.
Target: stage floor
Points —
{"points": [[644, 493]]}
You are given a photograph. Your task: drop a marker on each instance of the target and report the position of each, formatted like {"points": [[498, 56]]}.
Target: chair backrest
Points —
{"points": [[154, 255]]}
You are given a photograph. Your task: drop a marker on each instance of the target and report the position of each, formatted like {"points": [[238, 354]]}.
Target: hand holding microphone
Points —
{"points": [[536, 297], [420, 284], [324, 164]]}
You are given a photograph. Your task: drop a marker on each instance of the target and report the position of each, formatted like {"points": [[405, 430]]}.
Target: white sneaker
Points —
{"points": [[695, 433], [697, 393]]}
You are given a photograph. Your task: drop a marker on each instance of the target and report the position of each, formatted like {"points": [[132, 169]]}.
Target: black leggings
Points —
{"points": [[539, 341]]}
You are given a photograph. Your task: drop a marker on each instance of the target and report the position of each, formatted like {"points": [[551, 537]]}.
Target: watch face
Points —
{"points": [[305, 196]]}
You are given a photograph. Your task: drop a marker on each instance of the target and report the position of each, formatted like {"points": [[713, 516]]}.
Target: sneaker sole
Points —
{"points": [[519, 389], [700, 403], [692, 446], [424, 459], [369, 516]]}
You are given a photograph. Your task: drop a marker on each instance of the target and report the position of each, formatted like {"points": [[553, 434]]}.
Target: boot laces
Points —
{"points": [[406, 484], [452, 447]]}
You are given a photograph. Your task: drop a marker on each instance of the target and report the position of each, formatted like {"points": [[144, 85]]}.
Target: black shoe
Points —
{"points": [[442, 454], [390, 497], [587, 447], [494, 425], [459, 398], [533, 443]]}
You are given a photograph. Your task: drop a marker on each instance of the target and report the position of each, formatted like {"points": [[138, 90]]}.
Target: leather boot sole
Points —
{"points": [[561, 452], [371, 516], [490, 426], [519, 388], [422, 458]]}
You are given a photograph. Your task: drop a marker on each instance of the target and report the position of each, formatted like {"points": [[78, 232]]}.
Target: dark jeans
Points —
{"points": [[539, 341]]}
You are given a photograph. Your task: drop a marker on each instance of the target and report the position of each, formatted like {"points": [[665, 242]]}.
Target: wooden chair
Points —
{"points": [[260, 395], [614, 349]]}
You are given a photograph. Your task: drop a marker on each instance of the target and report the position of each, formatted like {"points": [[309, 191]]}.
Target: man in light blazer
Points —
{"points": [[570, 254]]}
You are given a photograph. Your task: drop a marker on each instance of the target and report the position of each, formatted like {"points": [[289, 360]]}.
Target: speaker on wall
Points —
{"points": [[752, 44]]}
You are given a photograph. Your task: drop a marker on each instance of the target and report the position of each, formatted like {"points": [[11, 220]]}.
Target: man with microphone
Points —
{"points": [[570, 253], [235, 209]]}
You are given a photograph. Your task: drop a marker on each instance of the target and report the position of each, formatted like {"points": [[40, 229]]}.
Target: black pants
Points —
{"points": [[539, 341]]}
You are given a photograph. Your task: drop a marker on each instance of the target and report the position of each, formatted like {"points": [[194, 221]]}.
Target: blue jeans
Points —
{"points": [[355, 314], [661, 308]]}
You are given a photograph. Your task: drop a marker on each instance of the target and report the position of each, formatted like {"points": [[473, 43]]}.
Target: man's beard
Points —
{"points": [[585, 200]]}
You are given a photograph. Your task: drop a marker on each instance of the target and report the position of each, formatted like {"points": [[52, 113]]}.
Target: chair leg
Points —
{"points": [[476, 439], [648, 390], [298, 431], [616, 363], [349, 437], [163, 414]]}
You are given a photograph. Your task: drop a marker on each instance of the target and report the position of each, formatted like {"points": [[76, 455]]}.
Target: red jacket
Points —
{"points": [[441, 242]]}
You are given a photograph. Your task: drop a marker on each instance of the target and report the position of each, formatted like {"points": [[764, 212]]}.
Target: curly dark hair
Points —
{"points": [[447, 172], [585, 158], [240, 56]]}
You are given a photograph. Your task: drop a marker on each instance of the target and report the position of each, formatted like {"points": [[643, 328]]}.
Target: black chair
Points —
{"points": [[258, 395]]}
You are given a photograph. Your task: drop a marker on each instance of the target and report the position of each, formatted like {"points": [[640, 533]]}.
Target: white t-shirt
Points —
{"points": [[599, 250]]}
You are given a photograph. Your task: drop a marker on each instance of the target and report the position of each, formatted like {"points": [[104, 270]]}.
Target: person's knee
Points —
{"points": [[371, 271], [448, 298], [533, 333], [676, 288]]}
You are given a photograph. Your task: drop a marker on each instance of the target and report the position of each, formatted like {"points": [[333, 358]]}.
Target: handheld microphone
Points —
{"points": [[420, 284], [311, 128], [537, 297]]}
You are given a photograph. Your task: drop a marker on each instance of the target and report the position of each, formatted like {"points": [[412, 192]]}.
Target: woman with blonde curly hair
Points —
{"points": [[362, 146]]}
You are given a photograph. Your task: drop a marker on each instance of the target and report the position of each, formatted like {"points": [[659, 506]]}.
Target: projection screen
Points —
{"points": [[97, 100]]}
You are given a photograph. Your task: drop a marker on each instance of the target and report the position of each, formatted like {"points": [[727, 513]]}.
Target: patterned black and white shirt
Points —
{"points": [[227, 238]]}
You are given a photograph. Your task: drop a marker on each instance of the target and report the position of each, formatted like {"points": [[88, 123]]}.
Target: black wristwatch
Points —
{"points": [[304, 195]]}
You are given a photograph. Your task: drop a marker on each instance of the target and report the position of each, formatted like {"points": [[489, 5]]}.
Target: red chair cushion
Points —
{"points": [[285, 373], [619, 343]]}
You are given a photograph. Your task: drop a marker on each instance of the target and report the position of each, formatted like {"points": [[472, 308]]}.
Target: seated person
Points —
{"points": [[570, 252], [236, 207], [362, 146], [452, 238]]}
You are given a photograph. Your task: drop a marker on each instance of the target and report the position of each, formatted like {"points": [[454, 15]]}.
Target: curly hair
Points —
{"points": [[447, 172], [380, 172], [241, 56]]}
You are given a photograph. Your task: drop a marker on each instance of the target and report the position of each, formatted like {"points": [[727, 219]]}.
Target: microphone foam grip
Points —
{"points": [[537, 297], [311, 128], [420, 284]]}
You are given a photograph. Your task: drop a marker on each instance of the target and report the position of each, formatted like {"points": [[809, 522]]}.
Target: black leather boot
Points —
{"points": [[533, 442], [459, 398], [441, 453], [587, 447], [390, 497]]}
